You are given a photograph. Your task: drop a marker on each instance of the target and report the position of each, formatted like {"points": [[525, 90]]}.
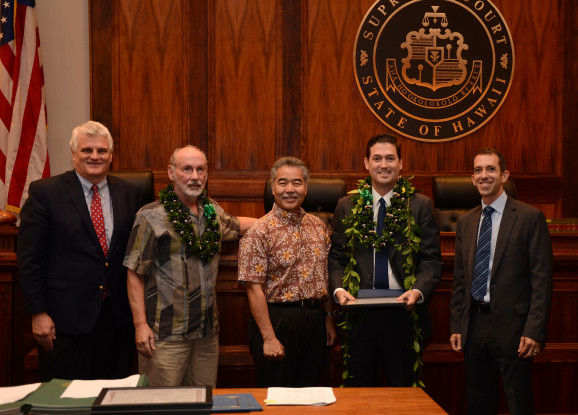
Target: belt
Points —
{"points": [[307, 303], [480, 306]]}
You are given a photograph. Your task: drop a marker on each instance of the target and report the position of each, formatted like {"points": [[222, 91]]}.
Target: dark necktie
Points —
{"points": [[98, 219], [482, 262], [381, 277]]}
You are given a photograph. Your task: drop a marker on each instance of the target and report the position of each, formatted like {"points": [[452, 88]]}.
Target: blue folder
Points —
{"points": [[238, 402]]}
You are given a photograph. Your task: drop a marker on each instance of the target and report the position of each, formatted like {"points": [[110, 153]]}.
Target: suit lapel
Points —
{"points": [[74, 189], [395, 262], [117, 206], [470, 243], [506, 226]]}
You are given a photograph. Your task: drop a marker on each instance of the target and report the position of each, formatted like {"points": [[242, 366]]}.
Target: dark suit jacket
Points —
{"points": [[521, 275], [61, 264], [428, 259]]}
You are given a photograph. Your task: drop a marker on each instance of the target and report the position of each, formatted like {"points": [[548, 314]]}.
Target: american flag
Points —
{"points": [[23, 148]]}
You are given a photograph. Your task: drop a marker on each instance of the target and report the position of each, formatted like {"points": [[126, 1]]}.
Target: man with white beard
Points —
{"points": [[172, 259]]}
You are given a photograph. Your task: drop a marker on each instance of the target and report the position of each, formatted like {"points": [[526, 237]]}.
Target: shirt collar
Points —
{"points": [[376, 196], [499, 204], [287, 216], [87, 185]]}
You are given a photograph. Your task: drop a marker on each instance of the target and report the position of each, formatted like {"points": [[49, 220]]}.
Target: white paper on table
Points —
{"points": [[91, 388], [15, 393], [300, 396]]}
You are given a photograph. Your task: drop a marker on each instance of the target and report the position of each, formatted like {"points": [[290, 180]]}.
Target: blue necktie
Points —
{"points": [[482, 262], [381, 277]]}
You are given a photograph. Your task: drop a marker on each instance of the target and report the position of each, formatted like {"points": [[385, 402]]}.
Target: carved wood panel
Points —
{"points": [[252, 80]]}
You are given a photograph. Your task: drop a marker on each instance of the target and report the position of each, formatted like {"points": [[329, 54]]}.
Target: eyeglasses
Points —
{"points": [[188, 170]]}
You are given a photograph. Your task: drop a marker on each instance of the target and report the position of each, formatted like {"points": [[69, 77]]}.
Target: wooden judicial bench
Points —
{"points": [[555, 374]]}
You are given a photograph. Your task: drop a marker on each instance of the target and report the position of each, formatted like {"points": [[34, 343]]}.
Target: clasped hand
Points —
{"points": [[273, 349]]}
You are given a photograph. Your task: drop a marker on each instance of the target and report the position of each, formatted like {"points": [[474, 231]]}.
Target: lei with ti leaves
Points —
{"points": [[207, 245], [360, 231]]}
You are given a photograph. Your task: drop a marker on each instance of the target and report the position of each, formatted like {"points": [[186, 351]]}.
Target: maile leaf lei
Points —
{"points": [[360, 231], [207, 245]]}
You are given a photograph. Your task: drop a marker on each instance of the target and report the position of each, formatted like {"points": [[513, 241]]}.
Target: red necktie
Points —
{"points": [[98, 219]]}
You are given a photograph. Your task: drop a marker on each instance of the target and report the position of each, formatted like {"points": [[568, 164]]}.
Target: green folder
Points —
{"points": [[46, 400]]}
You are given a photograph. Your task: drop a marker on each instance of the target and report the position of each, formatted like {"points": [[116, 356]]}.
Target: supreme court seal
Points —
{"points": [[434, 70]]}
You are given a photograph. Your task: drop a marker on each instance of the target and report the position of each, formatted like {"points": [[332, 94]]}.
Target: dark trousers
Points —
{"points": [[302, 334], [485, 361], [380, 335], [104, 353]]}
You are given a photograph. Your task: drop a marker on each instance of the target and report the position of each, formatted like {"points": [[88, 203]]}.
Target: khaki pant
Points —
{"points": [[182, 363]]}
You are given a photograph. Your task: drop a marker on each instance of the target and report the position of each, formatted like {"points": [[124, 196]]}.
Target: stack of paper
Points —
{"points": [[300, 396]]}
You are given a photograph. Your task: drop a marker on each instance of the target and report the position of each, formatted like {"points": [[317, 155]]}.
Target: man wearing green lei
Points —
{"points": [[405, 255], [172, 259]]}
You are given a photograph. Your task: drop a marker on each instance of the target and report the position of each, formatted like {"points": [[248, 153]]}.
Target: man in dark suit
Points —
{"points": [[71, 242], [385, 333], [502, 291]]}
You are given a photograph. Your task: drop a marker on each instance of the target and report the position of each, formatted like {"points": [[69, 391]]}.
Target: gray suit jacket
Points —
{"points": [[521, 275], [429, 260]]}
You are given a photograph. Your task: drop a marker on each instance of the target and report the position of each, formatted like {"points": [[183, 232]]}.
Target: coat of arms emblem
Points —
{"points": [[433, 70]]}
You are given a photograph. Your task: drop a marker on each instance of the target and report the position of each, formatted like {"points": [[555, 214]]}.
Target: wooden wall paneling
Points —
{"points": [[6, 360], [569, 93], [11, 325], [439, 307], [236, 208], [197, 130], [247, 84], [530, 115], [22, 340], [103, 54], [557, 397], [527, 124], [337, 121], [252, 80], [153, 86], [293, 50], [439, 378]]}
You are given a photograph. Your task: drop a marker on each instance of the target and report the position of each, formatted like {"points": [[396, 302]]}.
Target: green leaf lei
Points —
{"points": [[207, 245], [360, 231]]}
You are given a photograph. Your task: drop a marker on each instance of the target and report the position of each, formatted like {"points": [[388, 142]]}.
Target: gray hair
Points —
{"points": [[289, 162], [192, 147], [91, 129]]}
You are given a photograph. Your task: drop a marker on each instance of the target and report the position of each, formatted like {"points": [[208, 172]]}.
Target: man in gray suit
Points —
{"points": [[502, 291]]}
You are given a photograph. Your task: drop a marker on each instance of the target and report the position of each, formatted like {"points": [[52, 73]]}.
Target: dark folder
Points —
{"points": [[238, 402], [376, 298]]}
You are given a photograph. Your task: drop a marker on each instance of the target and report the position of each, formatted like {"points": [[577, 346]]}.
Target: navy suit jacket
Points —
{"points": [[428, 259], [61, 264], [520, 280]]}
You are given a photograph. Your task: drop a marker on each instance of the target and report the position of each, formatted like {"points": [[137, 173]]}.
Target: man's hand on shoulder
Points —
{"points": [[43, 330]]}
